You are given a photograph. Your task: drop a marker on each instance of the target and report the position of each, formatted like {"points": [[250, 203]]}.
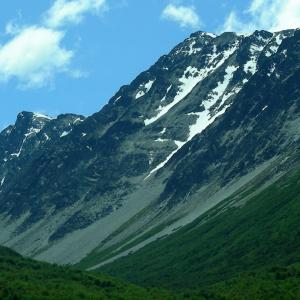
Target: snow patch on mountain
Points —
{"points": [[225, 55], [191, 77], [165, 96], [189, 80], [117, 99], [179, 145], [65, 133], [41, 116], [193, 50], [144, 89], [275, 44], [204, 117], [77, 121], [161, 140], [17, 154], [272, 69], [163, 131], [251, 64], [33, 131]]}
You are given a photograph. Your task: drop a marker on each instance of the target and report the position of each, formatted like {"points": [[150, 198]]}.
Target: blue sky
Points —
{"points": [[59, 56]]}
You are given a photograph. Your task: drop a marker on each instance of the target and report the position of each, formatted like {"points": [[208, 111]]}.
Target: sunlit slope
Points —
{"points": [[247, 232]]}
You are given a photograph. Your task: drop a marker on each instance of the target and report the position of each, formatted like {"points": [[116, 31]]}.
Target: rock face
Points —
{"points": [[207, 119]]}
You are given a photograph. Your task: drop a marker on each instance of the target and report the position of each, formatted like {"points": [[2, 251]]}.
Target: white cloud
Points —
{"points": [[288, 14], [233, 23], [65, 12], [186, 16], [256, 4], [33, 56], [273, 15]]}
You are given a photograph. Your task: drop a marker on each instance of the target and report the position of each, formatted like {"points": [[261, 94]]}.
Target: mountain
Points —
{"points": [[32, 135], [217, 116]]}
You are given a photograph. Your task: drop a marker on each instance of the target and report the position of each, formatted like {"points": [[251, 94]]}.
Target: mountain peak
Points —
{"points": [[202, 34], [25, 115], [182, 130], [27, 119], [31, 116]]}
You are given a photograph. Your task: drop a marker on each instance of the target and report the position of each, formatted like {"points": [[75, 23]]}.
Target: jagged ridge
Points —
{"points": [[165, 149]]}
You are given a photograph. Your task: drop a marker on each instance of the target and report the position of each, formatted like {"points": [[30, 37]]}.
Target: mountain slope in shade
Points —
{"points": [[216, 114]]}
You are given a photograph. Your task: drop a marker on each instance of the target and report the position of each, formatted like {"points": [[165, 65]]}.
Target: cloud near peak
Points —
{"points": [[185, 16], [273, 15]]}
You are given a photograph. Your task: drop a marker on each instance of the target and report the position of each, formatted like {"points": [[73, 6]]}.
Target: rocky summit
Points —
{"points": [[219, 114]]}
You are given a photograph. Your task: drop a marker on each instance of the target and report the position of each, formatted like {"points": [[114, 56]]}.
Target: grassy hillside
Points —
{"points": [[273, 284], [261, 233], [24, 279]]}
